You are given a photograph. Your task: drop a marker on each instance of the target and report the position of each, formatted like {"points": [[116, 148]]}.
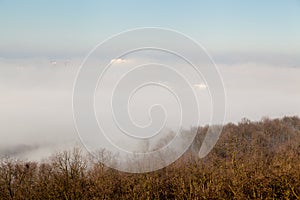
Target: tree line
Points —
{"points": [[252, 160]]}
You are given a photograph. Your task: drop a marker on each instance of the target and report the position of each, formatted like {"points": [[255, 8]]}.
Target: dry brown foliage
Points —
{"points": [[252, 160]]}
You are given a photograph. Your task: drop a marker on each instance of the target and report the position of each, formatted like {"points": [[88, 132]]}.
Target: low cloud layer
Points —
{"points": [[36, 100]]}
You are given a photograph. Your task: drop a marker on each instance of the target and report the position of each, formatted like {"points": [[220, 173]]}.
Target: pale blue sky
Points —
{"points": [[71, 28]]}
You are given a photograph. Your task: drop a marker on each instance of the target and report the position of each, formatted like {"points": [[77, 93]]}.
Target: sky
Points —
{"points": [[255, 44], [68, 28]]}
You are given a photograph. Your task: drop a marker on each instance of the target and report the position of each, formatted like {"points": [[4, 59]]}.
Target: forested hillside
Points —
{"points": [[252, 160]]}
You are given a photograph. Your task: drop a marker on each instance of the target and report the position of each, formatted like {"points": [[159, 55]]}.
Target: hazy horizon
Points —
{"points": [[255, 45]]}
